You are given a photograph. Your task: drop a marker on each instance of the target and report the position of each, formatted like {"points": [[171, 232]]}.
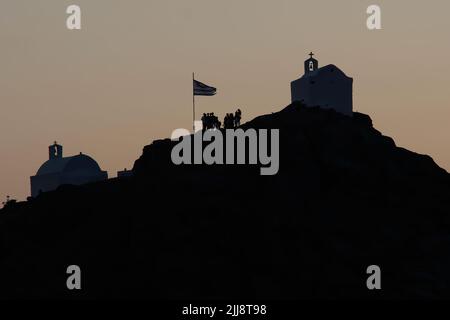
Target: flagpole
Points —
{"points": [[193, 103]]}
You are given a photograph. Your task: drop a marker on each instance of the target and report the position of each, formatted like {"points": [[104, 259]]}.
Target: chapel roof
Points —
{"points": [[325, 69], [68, 164]]}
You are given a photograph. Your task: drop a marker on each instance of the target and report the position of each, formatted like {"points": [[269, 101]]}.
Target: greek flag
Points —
{"points": [[201, 89]]}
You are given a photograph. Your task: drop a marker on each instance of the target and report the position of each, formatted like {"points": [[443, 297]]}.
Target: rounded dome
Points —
{"points": [[79, 162]]}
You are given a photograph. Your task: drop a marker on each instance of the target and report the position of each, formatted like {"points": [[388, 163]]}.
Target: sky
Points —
{"points": [[124, 79]]}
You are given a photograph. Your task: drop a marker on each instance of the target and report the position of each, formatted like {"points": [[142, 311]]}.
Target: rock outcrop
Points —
{"points": [[345, 197]]}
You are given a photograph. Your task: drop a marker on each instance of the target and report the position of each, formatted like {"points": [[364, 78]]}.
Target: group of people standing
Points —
{"points": [[210, 121], [232, 121]]}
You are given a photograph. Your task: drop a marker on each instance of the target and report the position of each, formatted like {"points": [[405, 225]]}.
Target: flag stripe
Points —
{"points": [[204, 93], [205, 89]]}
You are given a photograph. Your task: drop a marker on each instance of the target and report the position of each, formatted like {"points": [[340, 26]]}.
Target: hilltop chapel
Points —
{"points": [[59, 170], [327, 87]]}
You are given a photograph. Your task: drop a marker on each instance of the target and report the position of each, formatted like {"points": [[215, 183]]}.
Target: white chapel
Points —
{"points": [[327, 87]]}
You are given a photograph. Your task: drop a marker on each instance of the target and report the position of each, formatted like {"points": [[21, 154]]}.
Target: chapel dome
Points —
{"points": [[79, 162]]}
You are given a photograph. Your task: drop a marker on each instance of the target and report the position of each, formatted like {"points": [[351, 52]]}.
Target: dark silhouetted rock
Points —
{"points": [[345, 197]]}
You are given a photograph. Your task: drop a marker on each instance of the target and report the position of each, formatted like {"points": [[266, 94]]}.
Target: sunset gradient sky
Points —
{"points": [[125, 78]]}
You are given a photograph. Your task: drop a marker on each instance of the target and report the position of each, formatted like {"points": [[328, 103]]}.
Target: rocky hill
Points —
{"points": [[345, 197]]}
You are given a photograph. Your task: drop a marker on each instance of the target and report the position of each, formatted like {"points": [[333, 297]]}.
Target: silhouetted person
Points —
{"points": [[217, 123], [204, 121], [225, 121], [208, 121], [237, 118], [228, 122]]}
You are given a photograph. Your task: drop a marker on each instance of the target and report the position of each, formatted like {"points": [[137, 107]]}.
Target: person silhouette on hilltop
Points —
{"points": [[204, 121], [237, 118], [228, 122]]}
